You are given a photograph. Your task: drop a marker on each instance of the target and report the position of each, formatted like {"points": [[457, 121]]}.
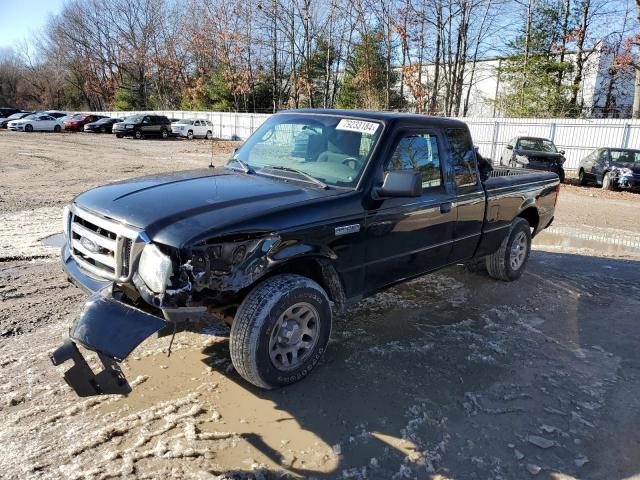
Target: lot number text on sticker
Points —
{"points": [[357, 126]]}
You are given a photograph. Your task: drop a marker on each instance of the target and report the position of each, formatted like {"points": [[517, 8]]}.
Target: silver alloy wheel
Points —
{"points": [[518, 250], [294, 336], [190, 135]]}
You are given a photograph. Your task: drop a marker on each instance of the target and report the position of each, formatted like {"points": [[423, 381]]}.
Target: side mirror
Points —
{"points": [[401, 183], [509, 147], [561, 152]]}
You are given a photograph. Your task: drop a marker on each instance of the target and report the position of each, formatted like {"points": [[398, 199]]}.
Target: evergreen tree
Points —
{"points": [[531, 72], [364, 79]]}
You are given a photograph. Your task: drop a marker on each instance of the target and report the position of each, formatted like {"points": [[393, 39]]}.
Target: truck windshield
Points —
{"points": [[332, 149], [536, 145]]}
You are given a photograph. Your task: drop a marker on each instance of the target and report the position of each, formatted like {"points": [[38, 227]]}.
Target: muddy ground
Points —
{"points": [[451, 376]]}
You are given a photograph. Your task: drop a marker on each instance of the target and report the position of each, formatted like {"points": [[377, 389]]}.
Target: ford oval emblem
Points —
{"points": [[89, 244]]}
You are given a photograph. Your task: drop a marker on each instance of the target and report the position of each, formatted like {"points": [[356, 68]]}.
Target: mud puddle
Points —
{"points": [[602, 240]]}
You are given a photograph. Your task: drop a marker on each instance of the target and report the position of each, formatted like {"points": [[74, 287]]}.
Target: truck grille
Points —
{"points": [[101, 246]]}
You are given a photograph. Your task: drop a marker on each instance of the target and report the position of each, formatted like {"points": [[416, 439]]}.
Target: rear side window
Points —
{"points": [[463, 157], [418, 152]]}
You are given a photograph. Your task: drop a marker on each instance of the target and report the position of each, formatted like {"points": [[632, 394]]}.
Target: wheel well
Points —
{"points": [[321, 271], [531, 215]]}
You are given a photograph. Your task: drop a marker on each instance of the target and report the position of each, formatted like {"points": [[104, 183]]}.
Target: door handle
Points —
{"points": [[445, 207]]}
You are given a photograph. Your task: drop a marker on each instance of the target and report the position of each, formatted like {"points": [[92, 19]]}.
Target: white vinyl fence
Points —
{"points": [[577, 137]]}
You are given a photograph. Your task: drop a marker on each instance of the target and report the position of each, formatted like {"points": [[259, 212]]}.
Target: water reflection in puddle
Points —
{"points": [[56, 240], [607, 241]]}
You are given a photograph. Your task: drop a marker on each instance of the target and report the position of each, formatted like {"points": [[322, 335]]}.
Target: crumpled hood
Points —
{"points": [[175, 208], [541, 156], [633, 166]]}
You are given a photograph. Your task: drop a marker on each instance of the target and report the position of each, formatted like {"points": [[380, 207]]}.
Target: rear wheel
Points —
{"points": [[280, 331], [164, 133], [57, 128], [582, 180], [510, 260], [28, 127], [138, 135], [118, 135], [103, 130]]}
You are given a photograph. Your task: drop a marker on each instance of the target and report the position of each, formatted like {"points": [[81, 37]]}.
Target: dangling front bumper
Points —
{"points": [[107, 326]]}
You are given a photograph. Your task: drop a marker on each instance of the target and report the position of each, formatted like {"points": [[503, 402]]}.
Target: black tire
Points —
{"points": [[28, 127], [499, 264], [190, 135], [561, 175], [118, 135], [164, 133], [607, 182], [582, 179], [208, 135], [138, 135], [103, 130], [261, 317]]}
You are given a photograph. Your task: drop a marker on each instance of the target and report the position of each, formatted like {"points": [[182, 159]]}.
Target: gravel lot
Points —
{"points": [[453, 375]]}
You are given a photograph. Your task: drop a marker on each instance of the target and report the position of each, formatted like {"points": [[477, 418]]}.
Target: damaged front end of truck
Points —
{"points": [[139, 288]]}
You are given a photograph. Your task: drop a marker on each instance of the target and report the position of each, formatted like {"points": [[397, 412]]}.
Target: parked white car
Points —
{"points": [[38, 122], [192, 128]]}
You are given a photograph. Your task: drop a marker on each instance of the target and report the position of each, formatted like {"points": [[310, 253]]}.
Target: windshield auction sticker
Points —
{"points": [[357, 126]]}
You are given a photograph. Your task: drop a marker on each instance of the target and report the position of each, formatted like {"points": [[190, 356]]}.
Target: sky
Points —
{"points": [[18, 18]]}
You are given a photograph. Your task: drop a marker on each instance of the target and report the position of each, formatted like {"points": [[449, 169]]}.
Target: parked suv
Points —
{"points": [[192, 128], [140, 126], [535, 153]]}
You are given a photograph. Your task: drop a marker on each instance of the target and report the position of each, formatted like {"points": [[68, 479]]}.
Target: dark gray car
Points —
{"points": [[535, 153], [611, 168]]}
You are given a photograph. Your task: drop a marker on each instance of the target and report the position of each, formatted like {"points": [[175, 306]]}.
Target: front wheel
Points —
{"points": [[510, 260], [280, 331], [189, 135], [561, 175], [28, 127], [209, 135], [607, 182], [118, 135], [138, 135]]}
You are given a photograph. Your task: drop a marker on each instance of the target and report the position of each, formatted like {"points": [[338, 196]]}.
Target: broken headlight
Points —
{"points": [[624, 172], [65, 221], [155, 268]]}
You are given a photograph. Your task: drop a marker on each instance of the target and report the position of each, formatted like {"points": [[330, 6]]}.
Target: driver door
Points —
{"points": [[410, 236]]}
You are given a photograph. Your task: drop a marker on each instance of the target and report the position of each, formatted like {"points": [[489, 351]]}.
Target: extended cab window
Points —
{"points": [[463, 157], [418, 152]]}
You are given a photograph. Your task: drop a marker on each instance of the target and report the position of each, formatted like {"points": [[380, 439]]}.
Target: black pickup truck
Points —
{"points": [[317, 210]]}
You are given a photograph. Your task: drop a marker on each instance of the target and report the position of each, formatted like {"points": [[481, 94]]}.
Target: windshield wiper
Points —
{"points": [[244, 166], [309, 178]]}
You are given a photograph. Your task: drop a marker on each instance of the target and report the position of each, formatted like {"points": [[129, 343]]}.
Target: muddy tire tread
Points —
{"points": [[254, 310]]}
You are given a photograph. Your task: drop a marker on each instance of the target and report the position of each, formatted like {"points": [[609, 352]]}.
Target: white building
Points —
{"points": [[487, 86]]}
